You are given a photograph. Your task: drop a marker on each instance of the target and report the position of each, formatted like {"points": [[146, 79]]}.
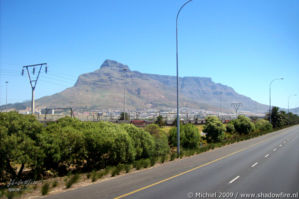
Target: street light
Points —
{"points": [[270, 96], [289, 101], [6, 83], [125, 70], [177, 78]]}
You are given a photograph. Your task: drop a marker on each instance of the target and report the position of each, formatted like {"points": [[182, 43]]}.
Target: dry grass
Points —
{"points": [[167, 128]]}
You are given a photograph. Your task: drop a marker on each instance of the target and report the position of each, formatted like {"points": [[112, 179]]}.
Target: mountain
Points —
{"points": [[104, 89], [295, 110]]}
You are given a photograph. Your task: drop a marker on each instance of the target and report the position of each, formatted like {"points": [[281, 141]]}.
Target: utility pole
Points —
{"points": [[220, 104], [236, 106], [33, 81], [6, 84], [125, 70]]}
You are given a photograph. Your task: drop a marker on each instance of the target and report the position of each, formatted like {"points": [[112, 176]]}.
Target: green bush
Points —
{"points": [[143, 142], [19, 145], [108, 144], [72, 180], [163, 158], [230, 128], [153, 160], [161, 140], [173, 136], [54, 183], [214, 129], [138, 164], [115, 171], [94, 176], [119, 168], [45, 189], [243, 125], [192, 138], [173, 156], [263, 125], [127, 168]]}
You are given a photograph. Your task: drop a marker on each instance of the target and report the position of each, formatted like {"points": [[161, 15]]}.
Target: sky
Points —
{"points": [[243, 44]]}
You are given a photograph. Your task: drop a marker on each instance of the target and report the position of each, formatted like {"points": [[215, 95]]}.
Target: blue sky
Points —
{"points": [[243, 44]]}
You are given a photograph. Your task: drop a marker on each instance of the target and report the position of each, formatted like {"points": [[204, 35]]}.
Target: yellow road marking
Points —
{"points": [[188, 171]]}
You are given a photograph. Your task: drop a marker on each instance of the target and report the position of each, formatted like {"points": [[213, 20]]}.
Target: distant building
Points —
{"points": [[139, 123]]}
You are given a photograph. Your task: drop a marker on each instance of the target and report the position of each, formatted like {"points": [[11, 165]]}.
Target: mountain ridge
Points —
{"points": [[104, 89]]}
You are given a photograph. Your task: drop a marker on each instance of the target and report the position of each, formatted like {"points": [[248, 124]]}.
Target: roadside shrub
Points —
{"points": [[145, 163], [192, 137], [173, 136], [68, 121], [230, 128], [243, 125], [116, 170], [72, 180], [153, 160], [143, 142], [173, 156], [127, 168], [93, 176], [263, 125], [108, 144], [137, 164], [163, 158], [161, 140], [214, 129], [45, 189], [18, 136], [54, 184]]}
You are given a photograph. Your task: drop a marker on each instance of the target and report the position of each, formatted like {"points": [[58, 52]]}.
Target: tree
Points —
{"points": [[263, 125], [143, 142], [243, 125], [189, 136], [172, 138], [124, 116], [159, 121], [214, 129], [230, 128], [278, 118], [18, 135], [192, 136], [161, 141]]}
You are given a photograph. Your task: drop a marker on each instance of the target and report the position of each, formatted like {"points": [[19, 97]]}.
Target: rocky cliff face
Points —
{"points": [[104, 88]]}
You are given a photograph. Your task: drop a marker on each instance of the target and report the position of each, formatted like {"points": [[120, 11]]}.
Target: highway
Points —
{"points": [[263, 166]]}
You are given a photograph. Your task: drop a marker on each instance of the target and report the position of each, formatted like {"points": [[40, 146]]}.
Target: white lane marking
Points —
{"points": [[280, 145], [254, 164], [267, 155], [233, 180], [275, 149]]}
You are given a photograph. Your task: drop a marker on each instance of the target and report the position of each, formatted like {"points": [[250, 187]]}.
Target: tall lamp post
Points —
{"points": [[177, 78], [289, 101], [125, 70], [270, 108], [6, 84]]}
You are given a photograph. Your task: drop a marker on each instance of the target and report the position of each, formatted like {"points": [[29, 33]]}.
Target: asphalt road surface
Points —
{"points": [[263, 167]]}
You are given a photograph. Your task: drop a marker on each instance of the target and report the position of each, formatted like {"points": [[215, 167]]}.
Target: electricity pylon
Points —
{"points": [[236, 106], [33, 81]]}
